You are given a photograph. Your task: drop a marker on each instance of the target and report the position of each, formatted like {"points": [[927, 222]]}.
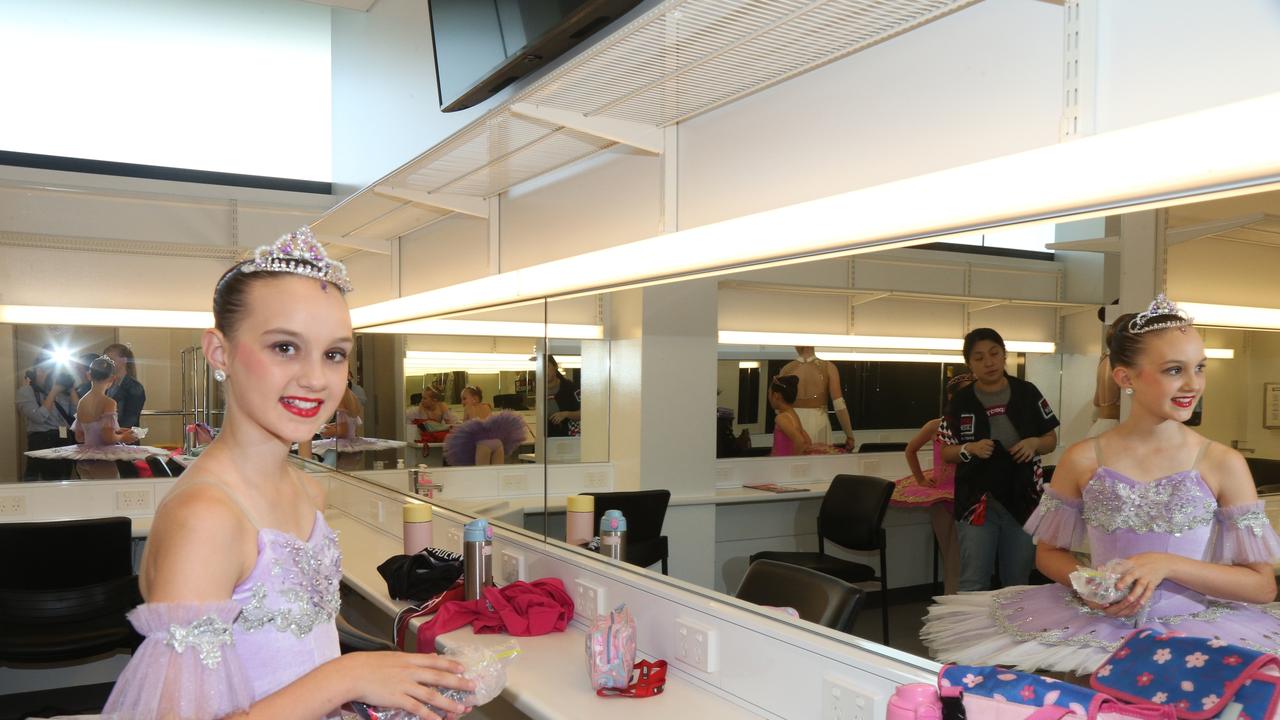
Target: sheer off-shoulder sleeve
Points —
{"points": [[1057, 521], [1243, 534], [186, 667]]}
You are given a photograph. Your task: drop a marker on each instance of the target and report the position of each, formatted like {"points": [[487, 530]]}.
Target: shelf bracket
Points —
{"points": [[1186, 233], [979, 307], [632, 134], [465, 204], [855, 300]]}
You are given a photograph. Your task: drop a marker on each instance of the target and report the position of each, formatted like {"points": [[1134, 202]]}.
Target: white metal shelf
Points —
{"points": [[680, 59]]}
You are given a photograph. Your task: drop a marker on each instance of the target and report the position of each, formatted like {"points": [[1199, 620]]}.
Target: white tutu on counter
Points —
{"points": [[355, 444], [100, 452]]}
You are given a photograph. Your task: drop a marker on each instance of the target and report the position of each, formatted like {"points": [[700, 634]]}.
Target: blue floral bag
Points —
{"points": [[1200, 678], [1043, 698]]}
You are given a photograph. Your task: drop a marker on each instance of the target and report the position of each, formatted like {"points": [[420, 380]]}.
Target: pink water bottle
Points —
{"points": [[579, 523], [916, 701], [417, 527]]}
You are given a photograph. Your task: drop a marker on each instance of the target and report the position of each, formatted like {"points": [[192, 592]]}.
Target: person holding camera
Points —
{"points": [[46, 402]]}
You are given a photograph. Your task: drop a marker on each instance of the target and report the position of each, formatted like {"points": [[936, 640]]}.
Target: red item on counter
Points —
{"points": [[650, 679], [520, 609]]}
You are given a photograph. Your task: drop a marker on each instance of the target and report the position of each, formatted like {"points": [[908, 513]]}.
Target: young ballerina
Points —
{"points": [[96, 425], [1182, 510], [241, 572], [485, 437], [935, 489], [789, 436], [340, 435]]}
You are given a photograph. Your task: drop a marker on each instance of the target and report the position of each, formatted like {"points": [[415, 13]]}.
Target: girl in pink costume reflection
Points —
{"points": [[935, 489], [247, 630], [1182, 510]]}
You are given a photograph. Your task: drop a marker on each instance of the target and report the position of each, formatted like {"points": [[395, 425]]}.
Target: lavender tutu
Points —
{"points": [[210, 660], [93, 448], [1047, 627], [506, 427], [352, 443]]}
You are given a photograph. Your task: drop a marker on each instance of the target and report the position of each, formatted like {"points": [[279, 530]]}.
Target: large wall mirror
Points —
{"points": [[889, 325]]}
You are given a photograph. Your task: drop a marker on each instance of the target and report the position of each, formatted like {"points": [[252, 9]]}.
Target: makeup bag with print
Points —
{"points": [[1200, 678], [995, 693]]}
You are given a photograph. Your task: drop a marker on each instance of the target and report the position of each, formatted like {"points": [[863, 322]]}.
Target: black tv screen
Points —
{"points": [[482, 46]]}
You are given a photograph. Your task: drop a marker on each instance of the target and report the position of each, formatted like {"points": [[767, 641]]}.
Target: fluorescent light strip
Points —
{"points": [[748, 365], [104, 317], [891, 357], [1232, 316], [1122, 168], [743, 337], [1220, 353], [489, 328]]}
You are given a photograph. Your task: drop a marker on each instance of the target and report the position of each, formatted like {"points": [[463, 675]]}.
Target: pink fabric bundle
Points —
{"points": [[522, 609]]}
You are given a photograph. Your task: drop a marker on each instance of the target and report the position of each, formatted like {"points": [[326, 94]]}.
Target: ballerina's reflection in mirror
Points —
{"points": [[819, 386]]}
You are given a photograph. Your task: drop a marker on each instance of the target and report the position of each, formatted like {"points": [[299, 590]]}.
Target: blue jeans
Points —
{"points": [[1000, 537]]}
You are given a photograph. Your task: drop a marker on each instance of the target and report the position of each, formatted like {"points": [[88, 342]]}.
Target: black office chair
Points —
{"points": [[851, 516], [817, 597], [65, 588], [645, 511], [882, 447]]}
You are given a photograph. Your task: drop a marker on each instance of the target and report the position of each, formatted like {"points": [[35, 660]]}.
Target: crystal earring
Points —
{"points": [[1128, 391], [220, 375]]}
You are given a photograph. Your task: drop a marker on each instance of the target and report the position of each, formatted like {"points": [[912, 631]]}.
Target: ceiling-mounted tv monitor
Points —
{"points": [[482, 46]]}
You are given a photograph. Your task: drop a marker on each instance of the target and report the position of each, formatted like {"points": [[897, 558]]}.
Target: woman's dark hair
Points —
{"points": [[474, 391], [1125, 346], [555, 366], [125, 352], [786, 386], [976, 336], [415, 398], [229, 295], [101, 368]]}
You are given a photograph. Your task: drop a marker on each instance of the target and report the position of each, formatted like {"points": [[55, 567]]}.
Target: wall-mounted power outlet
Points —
{"points": [[455, 539], [871, 466], [512, 564], [513, 482], [596, 480], [375, 511], [136, 500], [800, 471], [696, 645], [842, 699], [588, 600], [13, 505]]}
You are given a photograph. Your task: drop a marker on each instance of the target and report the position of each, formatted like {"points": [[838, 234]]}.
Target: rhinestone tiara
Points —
{"points": [[1160, 307], [301, 254]]}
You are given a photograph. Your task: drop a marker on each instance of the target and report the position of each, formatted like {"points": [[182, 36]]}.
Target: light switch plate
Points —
{"points": [[842, 699], [588, 600], [513, 566], [697, 645]]}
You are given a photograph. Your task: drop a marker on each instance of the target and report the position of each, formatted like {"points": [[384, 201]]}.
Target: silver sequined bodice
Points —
{"points": [[288, 604]]}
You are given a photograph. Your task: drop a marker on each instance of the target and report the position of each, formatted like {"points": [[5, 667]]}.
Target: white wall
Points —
{"points": [[385, 107], [1158, 58]]}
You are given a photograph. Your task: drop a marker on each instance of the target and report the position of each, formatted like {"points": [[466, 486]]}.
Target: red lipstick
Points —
{"points": [[302, 406]]}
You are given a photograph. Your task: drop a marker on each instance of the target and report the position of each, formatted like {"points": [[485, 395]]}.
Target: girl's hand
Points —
{"points": [[406, 681], [1146, 572], [1025, 449]]}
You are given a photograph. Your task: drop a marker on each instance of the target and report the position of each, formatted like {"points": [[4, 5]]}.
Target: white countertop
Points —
{"points": [[548, 680]]}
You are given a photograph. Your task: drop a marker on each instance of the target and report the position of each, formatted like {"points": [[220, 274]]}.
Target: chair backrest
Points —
{"points": [[882, 447], [65, 554], [645, 511], [852, 512], [817, 597]]}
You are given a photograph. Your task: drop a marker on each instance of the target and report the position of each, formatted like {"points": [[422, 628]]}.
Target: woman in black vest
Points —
{"points": [[996, 430]]}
